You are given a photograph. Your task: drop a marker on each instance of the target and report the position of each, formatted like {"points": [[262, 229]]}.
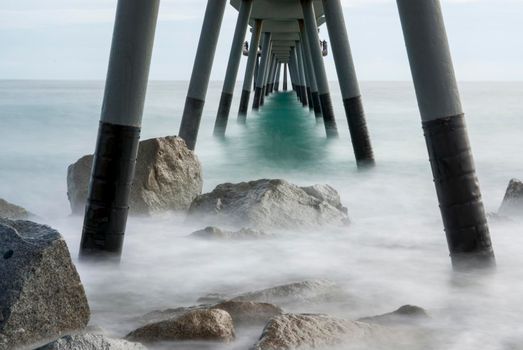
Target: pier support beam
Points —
{"points": [[311, 29], [119, 131], [285, 87], [348, 82], [315, 97], [258, 90], [232, 67], [192, 113], [303, 72], [297, 74], [446, 136], [277, 82], [250, 69]]}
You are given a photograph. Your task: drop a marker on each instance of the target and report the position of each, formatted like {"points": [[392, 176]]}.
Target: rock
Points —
{"points": [[168, 176], [270, 204], [162, 315], [91, 342], [407, 314], [41, 295], [513, 202], [312, 331], [247, 313], [12, 211], [295, 293], [205, 324], [216, 233]]}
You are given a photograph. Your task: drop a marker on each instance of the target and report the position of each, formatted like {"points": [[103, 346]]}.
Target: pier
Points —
{"points": [[284, 37]]}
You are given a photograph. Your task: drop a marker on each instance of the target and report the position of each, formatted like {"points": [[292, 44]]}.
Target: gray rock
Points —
{"points": [[12, 211], [204, 324], [41, 295], [513, 202], [270, 204], [296, 293], [313, 331], [248, 313], [405, 315], [91, 342], [168, 176], [215, 233], [162, 315]]}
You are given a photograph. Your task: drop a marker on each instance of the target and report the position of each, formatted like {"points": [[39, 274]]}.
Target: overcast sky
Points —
{"points": [[70, 39]]}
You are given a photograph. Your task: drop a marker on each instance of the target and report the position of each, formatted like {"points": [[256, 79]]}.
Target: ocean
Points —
{"points": [[393, 253]]}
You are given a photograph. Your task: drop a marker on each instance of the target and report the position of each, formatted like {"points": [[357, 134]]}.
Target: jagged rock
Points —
{"points": [[212, 232], [168, 176], [513, 202], [91, 342], [295, 293], [246, 313], [407, 314], [311, 331], [41, 295], [12, 211], [270, 204], [204, 324]]}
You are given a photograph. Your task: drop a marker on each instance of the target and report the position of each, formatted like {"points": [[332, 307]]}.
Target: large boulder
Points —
{"points": [[312, 331], [215, 233], [270, 204], [513, 202], [41, 295], [90, 341], [168, 176], [12, 211], [200, 324]]}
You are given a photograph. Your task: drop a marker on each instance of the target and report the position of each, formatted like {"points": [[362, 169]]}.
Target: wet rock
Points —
{"points": [[41, 296], [247, 313], [215, 233], [168, 176], [12, 211], [296, 293], [270, 204], [91, 342], [312, 331], [205, 324], [405, 315], [513, 202], [162, 315]]}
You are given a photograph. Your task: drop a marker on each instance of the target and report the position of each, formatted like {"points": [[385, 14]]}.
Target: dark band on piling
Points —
{"points": [[223, 114], [457, 188], [328, 115], [309, 98], [191, 121], [108, 199], [358, 131], [257, 97], [244, 104], [304, 95], [317, 104]]}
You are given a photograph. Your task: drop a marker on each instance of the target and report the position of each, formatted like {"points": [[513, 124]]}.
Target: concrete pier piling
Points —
{"points": [[119, 131], [285, 87], [201, 73], [348, 82], [314, 96], [250, 69], [232, 67], [311, 30], [277, 81], [258, 91], [303, 76], [445, 132]]}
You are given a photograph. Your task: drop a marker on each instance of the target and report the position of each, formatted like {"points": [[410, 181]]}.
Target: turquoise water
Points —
{"points": [[393, 253]]}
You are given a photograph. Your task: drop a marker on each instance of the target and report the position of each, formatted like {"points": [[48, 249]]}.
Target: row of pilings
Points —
{"points": [[292, 43]]}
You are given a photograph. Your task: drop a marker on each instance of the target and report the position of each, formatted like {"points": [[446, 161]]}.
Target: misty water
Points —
{"points": [[393, 253]]}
